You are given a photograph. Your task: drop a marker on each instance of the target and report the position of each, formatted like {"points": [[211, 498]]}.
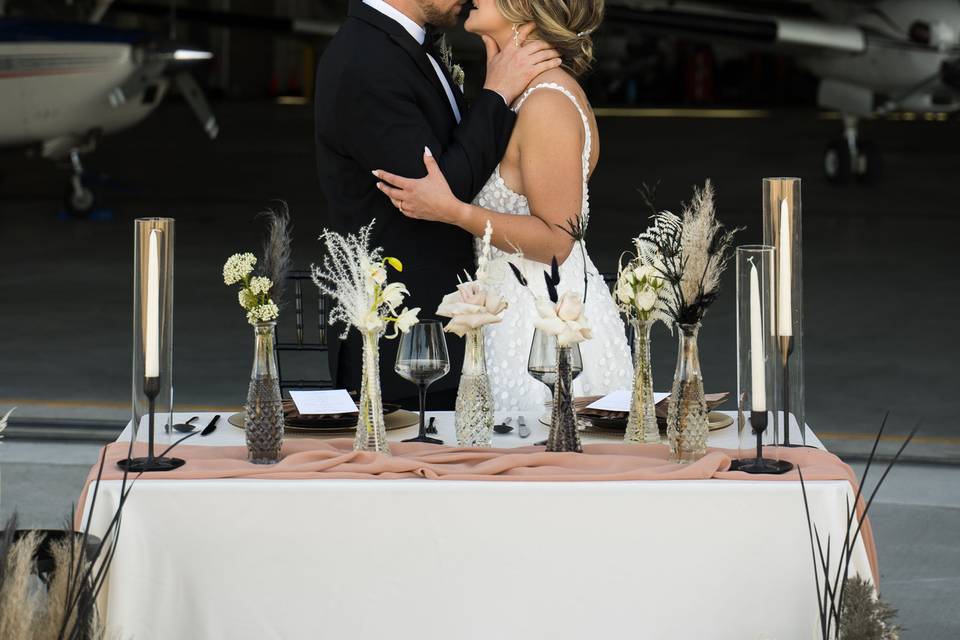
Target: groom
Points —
{"points": [[382, 95]]}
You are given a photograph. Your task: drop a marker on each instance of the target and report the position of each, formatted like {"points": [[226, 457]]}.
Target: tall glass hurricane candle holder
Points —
{"points": [[757, 388], [782, 229], [152, 405]]}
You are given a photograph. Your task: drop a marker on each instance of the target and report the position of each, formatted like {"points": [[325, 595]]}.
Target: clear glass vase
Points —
{"points": [[264, 409], [687, 425], [474, 407], [642, 423], [371, 429], [564, 435]]}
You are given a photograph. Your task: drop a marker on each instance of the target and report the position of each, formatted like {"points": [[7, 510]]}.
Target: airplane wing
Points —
{"points": [[719, 21]]}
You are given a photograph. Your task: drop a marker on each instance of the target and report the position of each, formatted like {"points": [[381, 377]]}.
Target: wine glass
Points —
{"points": [[422, 359], [542, 361]]}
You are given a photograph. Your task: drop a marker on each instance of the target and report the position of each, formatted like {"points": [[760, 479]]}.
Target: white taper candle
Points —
{"points": [[758, 388], [152, 342], [785, 279]]}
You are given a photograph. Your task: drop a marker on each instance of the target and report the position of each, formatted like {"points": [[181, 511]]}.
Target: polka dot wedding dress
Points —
{"points": [[606, 358]]}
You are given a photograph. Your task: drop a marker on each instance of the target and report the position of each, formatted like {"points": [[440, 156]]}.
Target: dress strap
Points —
{"points": [[585, 160]]}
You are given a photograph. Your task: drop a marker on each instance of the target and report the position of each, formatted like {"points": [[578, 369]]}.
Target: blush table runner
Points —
{"points": [[441, 542]]}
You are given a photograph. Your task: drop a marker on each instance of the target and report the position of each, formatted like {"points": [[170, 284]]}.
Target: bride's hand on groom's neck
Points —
{"points": [[511, 69]]}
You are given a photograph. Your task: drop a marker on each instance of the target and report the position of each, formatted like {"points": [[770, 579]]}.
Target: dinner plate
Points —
{"points": [[716, 420], [396, 419]]}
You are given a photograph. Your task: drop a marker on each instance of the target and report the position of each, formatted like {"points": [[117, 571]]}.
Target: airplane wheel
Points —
{"points": [[836, 162], [867, 165], [79, 204]]}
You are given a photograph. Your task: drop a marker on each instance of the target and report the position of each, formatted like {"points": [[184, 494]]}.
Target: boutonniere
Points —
{"points": [[446, 56]]}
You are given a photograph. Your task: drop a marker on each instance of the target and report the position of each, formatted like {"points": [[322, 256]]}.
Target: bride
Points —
{"points": [[539, 186]]}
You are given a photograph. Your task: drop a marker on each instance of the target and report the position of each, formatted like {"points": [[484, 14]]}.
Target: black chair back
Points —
{"points": [[304, 294]]}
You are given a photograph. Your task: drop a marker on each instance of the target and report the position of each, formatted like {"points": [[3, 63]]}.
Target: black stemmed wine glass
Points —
{"points": [[422, 359], [542, 361]]}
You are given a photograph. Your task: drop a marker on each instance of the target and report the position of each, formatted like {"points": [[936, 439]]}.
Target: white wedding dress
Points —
{"points": [[607, 364]]}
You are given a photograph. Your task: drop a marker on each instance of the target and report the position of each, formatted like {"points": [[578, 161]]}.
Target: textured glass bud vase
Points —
{"points": [[474, 407], [371, 429], [264, 412], [563, 419], [642, 423], [687, 425]]}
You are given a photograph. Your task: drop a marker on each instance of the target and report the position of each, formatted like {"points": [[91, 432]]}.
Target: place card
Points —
{"points": [[620, 401], [323, 402]]}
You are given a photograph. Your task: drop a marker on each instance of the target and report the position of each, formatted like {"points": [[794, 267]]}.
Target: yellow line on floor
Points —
{"points": [[869, 437], [617, 112]]}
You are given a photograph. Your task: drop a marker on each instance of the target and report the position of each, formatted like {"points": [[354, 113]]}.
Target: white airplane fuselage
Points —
{"points": [[886, 67], [52, 93]]}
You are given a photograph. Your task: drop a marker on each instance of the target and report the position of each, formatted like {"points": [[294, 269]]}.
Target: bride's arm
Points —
{"points": [[550, 141]]}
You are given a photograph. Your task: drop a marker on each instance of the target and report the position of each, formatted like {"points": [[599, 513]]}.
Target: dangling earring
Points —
{"points": [[516, 36]]}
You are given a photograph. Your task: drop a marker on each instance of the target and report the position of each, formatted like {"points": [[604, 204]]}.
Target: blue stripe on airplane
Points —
{"points": [[19, 30]]}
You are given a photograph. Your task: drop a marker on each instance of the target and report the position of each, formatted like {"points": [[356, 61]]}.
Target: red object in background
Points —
{"points": [[699, 86]]}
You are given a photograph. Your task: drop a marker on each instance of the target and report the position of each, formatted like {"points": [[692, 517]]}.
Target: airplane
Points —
{"points": [[65, 85], [872, 58]]}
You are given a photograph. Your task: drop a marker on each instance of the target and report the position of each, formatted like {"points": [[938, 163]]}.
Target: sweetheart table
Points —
{"points": [[451, 559]]}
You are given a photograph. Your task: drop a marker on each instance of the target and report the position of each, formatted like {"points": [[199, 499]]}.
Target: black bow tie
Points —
{"points": [[431, 40]]}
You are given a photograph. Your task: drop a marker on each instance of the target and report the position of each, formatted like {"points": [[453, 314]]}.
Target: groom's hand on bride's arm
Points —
{"points": [[427, 198], [511, 69]]}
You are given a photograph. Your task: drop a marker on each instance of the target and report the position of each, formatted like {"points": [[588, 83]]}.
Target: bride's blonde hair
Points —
{"points": [[565, 24]]}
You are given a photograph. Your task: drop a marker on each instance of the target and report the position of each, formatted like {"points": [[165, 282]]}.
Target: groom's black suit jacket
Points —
{"points": [[378, 104]]}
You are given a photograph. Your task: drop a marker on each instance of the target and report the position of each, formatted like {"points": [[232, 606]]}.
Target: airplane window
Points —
{"points": [[920, 32]]}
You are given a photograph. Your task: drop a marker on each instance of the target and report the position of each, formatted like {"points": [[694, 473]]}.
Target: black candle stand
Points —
{"points": [[758, 421], [151, 387]]}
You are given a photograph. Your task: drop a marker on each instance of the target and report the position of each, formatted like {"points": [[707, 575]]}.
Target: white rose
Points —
{"points": [[569, 307], [646, 300], [624, 289]]}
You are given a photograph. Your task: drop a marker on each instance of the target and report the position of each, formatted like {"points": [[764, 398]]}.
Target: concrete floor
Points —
{"points": [[880, 286]]}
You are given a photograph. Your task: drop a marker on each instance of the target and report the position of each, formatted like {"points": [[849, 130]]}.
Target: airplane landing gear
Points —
{"points": [[79, 199], [850, 157]]}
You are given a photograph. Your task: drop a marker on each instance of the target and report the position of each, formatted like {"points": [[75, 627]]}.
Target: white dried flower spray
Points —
{"points": [[355, 276]]}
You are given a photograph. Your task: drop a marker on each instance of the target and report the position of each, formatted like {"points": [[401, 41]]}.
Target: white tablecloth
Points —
{"points": [[423, 559]]}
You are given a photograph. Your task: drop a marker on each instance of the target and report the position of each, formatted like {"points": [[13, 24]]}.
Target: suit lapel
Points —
{"points": [[403, 39]]}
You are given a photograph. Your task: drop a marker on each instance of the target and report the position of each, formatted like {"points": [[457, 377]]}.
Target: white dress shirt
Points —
{"points": [[419, 34]]}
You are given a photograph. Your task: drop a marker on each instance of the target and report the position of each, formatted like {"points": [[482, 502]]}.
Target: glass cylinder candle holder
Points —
{"points": [[152, 383], [757, 389], [782, 229]]}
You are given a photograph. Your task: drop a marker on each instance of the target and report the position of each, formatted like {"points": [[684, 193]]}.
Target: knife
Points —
{"points": [[210, 428], [524, 430]]}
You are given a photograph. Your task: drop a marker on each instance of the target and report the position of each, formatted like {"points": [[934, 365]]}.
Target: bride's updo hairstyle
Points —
{"points": [[565, 24]]}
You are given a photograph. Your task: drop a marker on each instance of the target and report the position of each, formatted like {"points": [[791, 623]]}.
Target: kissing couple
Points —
{"points": [[520, 156]]}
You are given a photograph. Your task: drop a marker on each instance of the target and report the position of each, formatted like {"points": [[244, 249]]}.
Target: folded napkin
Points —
{"points": [[305, 458]]}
